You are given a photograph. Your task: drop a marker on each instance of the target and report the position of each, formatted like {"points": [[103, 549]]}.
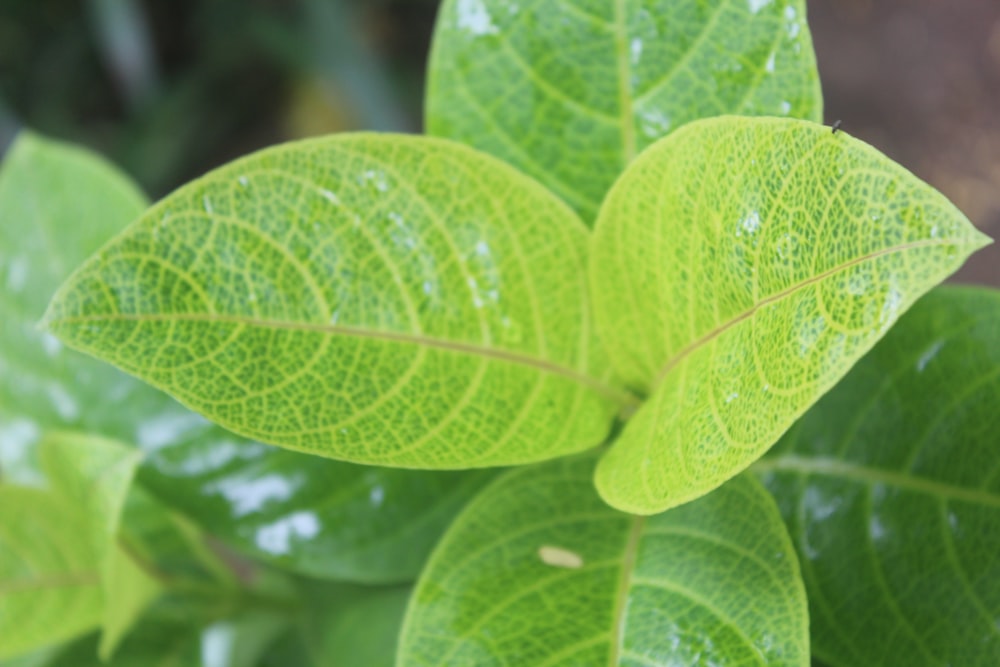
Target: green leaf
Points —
{"points": [[366, 633], [49, 575], [166, 641], [352, 626], [316, 517], [381, 299], [94, 474], [569, 92], [539, 571], [57, 205], [890, 489], [739, 268]]}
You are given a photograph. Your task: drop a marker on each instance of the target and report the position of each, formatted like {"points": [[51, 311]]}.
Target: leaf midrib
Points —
{"points": [[624, 84], [624, 585], [43, 582], [692, 347], [457, 347], [855, 472]]}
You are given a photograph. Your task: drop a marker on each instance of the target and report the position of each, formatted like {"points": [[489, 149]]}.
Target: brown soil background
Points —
{"points": [[920, 80]]}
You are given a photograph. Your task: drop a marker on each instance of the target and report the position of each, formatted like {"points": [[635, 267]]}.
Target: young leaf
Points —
{"points": [[49, 579], [94, 475], [374, 298], [569, 92], [57, 205], [314, 516], [890, 489], [739, 268], [539, 571]]}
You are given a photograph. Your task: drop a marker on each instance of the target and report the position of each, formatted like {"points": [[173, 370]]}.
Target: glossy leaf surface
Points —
{"points": [[890, 488], [538, 570], [739, 268], [375, 298], [94, 474], [49, 579], [57, 205], [314, 516], [570, 92]]}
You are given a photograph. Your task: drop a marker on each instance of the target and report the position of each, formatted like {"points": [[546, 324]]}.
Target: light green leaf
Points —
{"points": [[128, 590], [569, 92], [49, 575], [539, 571], [890, 489], [314, 516], [739, 268], [58, 203], [94, 474], [375, 298], [40, 658]]}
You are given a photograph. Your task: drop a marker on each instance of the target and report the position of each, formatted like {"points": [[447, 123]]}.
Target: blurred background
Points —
{"points": [[171, 88]]}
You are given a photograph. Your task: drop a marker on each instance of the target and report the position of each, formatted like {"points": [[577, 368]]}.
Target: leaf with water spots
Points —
{"points": [[313, 516], [571, 91], [538, 570], [890, 486], [382, 299], [58, 204], [740, 267]]}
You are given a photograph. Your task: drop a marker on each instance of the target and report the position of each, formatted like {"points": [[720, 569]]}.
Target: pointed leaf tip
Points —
{"points": [[739, 268], [383, 299]]}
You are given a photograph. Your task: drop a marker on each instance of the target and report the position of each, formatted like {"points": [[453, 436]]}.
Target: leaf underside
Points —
{"points": [[570, 92], [539, 571], [381, 299], [890, 486], [739, 268]]}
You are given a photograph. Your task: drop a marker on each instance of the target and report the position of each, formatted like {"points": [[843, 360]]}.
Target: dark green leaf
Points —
{"points": [[891, 491], [314, 516], [353, 626]]}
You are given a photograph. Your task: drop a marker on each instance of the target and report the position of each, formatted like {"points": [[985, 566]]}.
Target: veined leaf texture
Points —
{"points": [[381, 299], [739, 268], [570, 92], [890, 486], [714, 582], [58, 204]]}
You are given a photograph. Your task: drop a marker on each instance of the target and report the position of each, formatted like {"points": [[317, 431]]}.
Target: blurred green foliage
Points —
{"points": [[170, 88]]}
